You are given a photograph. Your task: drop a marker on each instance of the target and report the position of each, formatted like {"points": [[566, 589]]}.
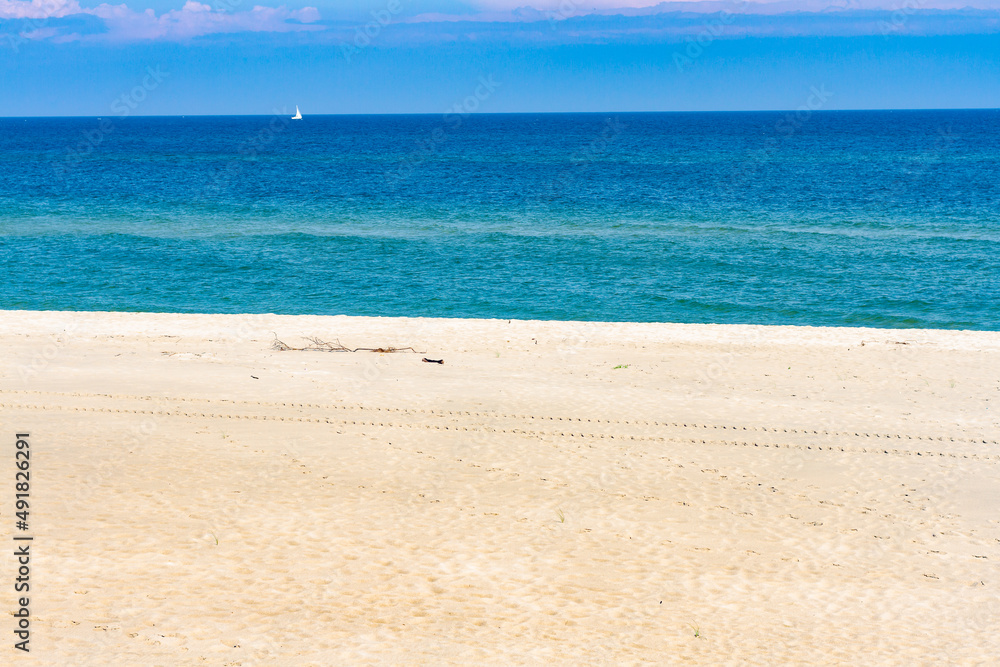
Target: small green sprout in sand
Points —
{"points": [[562, 517], [215, 536], [620, 366], [697, 630]]}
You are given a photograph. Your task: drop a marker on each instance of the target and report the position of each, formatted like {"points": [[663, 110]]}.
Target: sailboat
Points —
{"points": [[298, 114]]}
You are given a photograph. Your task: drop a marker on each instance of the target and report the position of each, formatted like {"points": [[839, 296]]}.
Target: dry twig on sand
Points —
{"points": [[319, 345]]}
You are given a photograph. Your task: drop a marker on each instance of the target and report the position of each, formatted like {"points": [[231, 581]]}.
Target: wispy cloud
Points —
{"points": [[122, 23], [520, 8], [39, 9], [196, 19], [585, 21]]}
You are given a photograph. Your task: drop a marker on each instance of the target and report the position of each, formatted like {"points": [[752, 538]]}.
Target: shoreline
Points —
{"points": [[678, 331]]}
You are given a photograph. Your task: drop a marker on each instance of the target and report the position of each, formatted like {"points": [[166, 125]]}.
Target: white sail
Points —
{"points": [[298, 114]]}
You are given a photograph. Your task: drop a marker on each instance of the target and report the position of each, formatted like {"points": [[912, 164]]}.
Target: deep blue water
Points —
{"points": [[886, 219]]}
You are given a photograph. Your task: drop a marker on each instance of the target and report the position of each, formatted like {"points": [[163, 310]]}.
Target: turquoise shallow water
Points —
{"points": [[885, 219]]}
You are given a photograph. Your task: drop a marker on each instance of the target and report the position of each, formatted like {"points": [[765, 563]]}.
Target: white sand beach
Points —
{"points": [[553, 493]]}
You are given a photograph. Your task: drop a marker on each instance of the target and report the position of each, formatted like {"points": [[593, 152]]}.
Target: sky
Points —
{"points": [[186, 57]]}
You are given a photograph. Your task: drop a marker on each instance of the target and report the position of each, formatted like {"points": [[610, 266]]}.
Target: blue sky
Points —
{"points": [[152, 57]]}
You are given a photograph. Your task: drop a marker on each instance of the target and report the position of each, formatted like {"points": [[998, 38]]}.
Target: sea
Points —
{"points": [[826, 218]]}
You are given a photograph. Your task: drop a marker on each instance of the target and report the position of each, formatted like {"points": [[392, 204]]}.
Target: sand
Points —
{"points": [[554, 493]]}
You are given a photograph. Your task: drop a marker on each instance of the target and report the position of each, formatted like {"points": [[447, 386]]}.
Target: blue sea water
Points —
{"points": [[866, 218]]}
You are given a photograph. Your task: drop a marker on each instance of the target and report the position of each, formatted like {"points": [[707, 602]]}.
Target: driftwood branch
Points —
{"points": [[319, 345]]}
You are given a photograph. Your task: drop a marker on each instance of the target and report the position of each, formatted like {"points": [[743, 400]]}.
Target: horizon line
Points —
{"points": [[504, 113]]}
